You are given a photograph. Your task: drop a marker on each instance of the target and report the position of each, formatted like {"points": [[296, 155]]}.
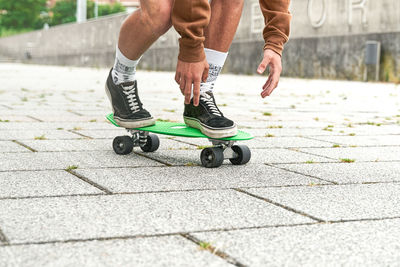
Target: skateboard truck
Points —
{"points": [[124, 145], [212, 157]]}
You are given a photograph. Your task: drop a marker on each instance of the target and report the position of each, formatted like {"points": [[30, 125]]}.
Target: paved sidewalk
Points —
{"points": [[322, 187]]}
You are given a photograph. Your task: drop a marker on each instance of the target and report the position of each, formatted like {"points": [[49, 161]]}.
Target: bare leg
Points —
{"points": [[225, 17], [141, 29]]}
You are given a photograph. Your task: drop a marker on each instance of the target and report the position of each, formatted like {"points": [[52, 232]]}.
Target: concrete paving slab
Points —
{"points": [[278, 155], [153, 251], [286, 122], [98, 125], [259, 156], [176, 157], [371, 243], [110, 133], [268, 142], [62, 160], [72, 118], [369, 172], [384, 140], [292, 142], [358, 153], [339, 202], [69, 145], [16, 118], [187, 178], [37, 134], [42, 183], [37, 220], [367, 130], [287, 132], [93, 145], [8, 146]]}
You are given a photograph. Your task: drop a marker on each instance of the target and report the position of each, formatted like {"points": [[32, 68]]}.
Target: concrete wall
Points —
{"points": [[327, 41]]}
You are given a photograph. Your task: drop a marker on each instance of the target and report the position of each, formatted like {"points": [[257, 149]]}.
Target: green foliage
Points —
{"points": [[22, 14], [17, 16], [64, 11], [105, 10]]}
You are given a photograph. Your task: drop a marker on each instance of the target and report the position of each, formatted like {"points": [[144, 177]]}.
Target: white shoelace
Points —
{"points": [[208, 100], [129, 91]]}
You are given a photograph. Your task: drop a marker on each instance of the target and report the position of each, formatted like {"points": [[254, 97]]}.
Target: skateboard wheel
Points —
{"points": [[123, 145], [243, 157], [152, 143], [212, 157]]}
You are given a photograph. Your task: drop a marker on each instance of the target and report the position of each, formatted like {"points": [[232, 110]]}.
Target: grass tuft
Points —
{"points": [[205, 245], [347, 160], [42, 137], [71, 167]]}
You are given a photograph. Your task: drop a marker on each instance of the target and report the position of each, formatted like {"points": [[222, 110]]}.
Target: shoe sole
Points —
{"points": [[211, 132], [129, 123]]}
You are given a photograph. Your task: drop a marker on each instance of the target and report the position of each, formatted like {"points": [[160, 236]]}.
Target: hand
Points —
{"points": [[274, 61], [189, 75]]}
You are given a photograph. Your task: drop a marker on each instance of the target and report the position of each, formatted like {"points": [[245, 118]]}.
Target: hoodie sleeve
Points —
{"points": [[190, 18], [277, 23]]}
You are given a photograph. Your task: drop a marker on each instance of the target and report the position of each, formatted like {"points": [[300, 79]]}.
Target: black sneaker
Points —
{"points": [[208, 118], [127, 107]]}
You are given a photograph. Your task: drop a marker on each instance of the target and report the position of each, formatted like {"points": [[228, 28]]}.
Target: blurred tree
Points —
{"points": [[64, 11], [111, 9], [22, 14]]}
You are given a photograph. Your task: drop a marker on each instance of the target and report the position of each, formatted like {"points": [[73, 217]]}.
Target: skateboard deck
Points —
{"points": [[180, 129]]}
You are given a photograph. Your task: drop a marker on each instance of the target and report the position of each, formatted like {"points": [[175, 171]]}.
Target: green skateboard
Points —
{"points": [[211, 157]]}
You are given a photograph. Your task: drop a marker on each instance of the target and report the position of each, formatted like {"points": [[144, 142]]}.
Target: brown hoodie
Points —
{"points": [[191, 17]]}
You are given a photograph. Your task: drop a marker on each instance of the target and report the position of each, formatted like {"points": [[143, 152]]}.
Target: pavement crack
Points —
{"points": [[75, 113], [309, 153], [3, 238], [296, 172], [77, 133], [148, 157], [7, 107], [280, 205], [102, 188], [33, 118], [26, 146], [213, 250]]}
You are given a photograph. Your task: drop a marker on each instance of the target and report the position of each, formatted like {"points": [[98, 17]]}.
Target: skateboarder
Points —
{"points": [[207, 31]]}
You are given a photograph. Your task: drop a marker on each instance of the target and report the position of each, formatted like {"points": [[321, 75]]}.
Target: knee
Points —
{"points": [[158, 17]]}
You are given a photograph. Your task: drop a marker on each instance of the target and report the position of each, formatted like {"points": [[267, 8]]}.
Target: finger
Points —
{"points": [[182, 85], [205, 75], [177, 77], [196, 92], [263, 66], [271, 87], [188, 90], [268, 82]]}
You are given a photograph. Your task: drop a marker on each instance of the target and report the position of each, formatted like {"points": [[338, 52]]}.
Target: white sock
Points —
{"points": [[216, 60], [124, 69]]}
